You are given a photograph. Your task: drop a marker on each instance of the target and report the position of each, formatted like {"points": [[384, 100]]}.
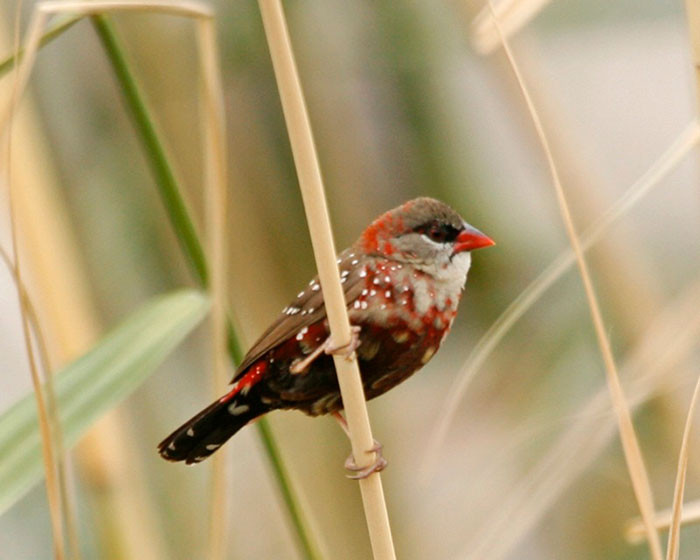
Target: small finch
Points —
{"points": [[403, 279]]}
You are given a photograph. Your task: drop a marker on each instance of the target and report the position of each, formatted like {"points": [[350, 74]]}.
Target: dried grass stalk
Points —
{"points": [[673, 547], [311, 185], [151, 547], [692, 8], [634, 531], [513, 15], [214, 150], [630, 445], [486, 345], [650, 367], [48, 427]]}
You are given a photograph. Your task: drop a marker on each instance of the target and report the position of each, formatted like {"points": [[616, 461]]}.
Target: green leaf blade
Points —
{"points": [[95, 383]]}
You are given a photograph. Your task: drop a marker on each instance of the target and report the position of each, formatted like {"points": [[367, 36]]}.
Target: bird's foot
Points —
{"points": [[347, 350], [328, 347], [379, 463]]}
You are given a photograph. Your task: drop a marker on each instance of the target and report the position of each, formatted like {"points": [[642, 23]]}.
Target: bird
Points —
{"points": [[402, 279]]}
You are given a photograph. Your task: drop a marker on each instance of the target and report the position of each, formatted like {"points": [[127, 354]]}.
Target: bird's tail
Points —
{"points": [[204, 433]]}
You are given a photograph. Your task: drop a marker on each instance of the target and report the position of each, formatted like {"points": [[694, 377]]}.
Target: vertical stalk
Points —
{"points": [[630, 445], [178, 214], [311, 184], [692, 8], [166, 181], [46, 429], [214, 150]]}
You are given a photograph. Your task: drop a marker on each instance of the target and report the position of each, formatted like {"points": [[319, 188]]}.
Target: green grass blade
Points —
{"points": [[63, 24], [168, 188], [94, 384], [182, 223]]}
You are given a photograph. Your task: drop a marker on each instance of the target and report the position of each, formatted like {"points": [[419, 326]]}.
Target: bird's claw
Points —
{"points": [[379, 463], [347, 350]]}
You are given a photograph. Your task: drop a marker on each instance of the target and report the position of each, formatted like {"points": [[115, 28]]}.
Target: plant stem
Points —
{"points": [[311, 186], [167, 184], [630, 444], [307, 545], [177, 211], [52, 33]]}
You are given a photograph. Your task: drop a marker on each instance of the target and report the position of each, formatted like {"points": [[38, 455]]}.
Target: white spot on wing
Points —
{"points": [[428, 354], [235, 409]]}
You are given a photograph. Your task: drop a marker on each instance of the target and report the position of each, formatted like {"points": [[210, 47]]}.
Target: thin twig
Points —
{"points": [[649, 367], [673, 547], [67, 505], [513, 15], [630, 445], [183, 224], [214, 150], [634, 532], [692, 8], [486, 345], [47, 431], [53, 32], [311, 184]]}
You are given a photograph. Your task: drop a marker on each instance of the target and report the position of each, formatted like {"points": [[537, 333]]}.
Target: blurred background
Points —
{"points": [[401, 106]]}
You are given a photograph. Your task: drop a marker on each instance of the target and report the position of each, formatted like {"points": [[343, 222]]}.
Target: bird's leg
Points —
{"points": [[379, 463], [328, 347]]}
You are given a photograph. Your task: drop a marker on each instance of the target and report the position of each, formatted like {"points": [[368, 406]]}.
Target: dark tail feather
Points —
{"points": [[204, 433]]}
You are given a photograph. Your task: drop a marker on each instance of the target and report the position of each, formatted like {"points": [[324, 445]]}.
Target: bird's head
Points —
{"points": [[423, 232]]}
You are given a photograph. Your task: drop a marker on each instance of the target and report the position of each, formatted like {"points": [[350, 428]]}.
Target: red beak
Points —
{"points": [[471, 238]]}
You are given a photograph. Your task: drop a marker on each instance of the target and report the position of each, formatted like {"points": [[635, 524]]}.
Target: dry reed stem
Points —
{"points": [[44, 9], [634, 531], [630, 445], [673, 546], [149, 546], [648, 367], [311, 184], [67, 505], [692, 8], [513, 15], [214, 150], [483, 349], [46, 427]]}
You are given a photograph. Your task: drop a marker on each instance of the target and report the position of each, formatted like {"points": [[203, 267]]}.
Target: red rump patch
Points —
{"points": [[251, 377]]}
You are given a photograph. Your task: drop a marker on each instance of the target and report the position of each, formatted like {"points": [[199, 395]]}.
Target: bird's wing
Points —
{"points": [[306, 309]]}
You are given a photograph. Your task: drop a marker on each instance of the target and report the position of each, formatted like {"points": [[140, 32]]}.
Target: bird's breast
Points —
{"points": [[395, 294]]}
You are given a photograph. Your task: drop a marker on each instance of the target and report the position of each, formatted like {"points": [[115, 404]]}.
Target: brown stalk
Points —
{"points": [[650, 367], [486, 345], [311, 185], [214, 150], [46, 429], [73, 322], [633, 455], [634, 532], [673, 547], [513, 15]]}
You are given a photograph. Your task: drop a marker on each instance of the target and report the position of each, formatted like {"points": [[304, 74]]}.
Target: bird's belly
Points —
{"points": [[387, 355]]}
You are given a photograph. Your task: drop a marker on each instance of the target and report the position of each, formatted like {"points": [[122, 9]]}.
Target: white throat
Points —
{"points": [[449, 278]]}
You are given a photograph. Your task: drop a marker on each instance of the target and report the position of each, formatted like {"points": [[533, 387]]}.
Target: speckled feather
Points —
{"points": [[402, 290]]}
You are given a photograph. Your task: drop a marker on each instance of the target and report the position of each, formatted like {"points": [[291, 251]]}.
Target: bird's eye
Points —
{"points": [[439, 232]]}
